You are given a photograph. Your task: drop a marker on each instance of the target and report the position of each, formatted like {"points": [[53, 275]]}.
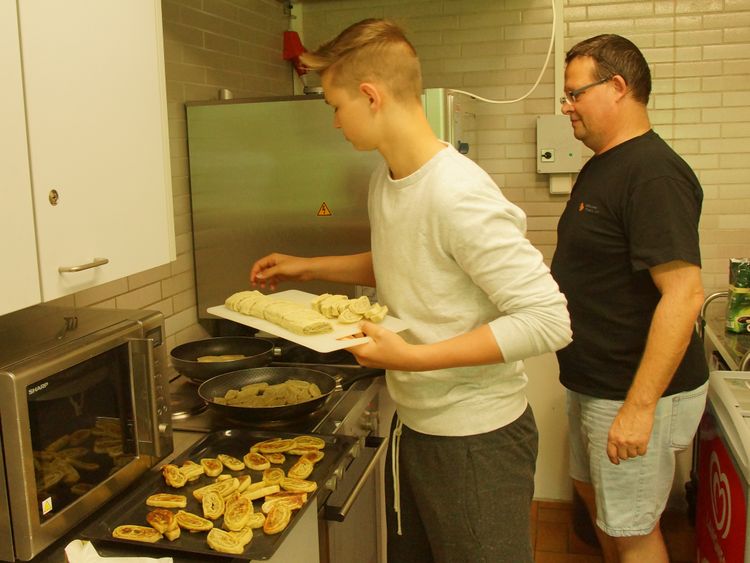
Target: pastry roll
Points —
{"points": [[231, 462], [277, 519], [193, 522], [131, 532], [213, 505], [161, 520], [237, 512], [167, 500], [224, 542]]}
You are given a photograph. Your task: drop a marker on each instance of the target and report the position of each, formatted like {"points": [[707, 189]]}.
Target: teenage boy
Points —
{"points": [[449, 257]]}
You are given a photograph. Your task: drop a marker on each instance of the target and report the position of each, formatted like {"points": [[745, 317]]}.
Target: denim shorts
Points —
{"points": [[631, 496]]}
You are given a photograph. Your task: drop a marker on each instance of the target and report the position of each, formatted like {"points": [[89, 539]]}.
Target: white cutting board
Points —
{"points": [[319, 342]]}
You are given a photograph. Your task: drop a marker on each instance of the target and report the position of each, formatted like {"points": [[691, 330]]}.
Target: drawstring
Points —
{"points": [[394, 468]]}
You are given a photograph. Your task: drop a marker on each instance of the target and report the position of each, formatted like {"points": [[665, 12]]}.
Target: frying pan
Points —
{"points": [[219, 385], [258, 352]]}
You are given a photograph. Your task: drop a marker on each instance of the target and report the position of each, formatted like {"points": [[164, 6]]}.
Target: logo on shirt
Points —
{"points": [[588, 208]]}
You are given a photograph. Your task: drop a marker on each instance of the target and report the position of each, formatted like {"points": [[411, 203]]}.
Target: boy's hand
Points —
{"points": [[386, 350], [275, 268]]}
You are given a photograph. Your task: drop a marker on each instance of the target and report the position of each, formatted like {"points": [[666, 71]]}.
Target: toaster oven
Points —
{"points": [[84, 411]]}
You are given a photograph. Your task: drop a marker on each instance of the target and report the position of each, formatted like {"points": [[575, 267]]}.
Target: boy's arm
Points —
{"points": [[274, 268]]}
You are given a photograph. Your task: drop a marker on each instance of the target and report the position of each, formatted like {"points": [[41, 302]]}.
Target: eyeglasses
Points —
{"points": [[571, 96]]}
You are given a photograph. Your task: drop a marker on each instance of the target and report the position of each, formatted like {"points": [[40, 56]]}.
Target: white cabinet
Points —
{"points": [[96, 122], [19, 277]]}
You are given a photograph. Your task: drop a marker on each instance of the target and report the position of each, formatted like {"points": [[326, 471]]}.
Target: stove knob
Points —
{"points": [[331, 483]]}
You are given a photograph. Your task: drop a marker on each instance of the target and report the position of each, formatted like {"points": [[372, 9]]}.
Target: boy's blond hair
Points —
{"points": [[372, 50]]}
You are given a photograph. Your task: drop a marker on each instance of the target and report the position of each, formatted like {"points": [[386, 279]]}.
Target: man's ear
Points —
{"points": [[369, 90], [620, 85]]}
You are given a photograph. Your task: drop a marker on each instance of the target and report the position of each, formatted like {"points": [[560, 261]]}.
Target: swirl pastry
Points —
{"points": [[224, 542], [277, 519], [295, 485], [273, 475], [193, 522], [313, 441], [237, 513], [231, 462], [256, 461], [136, 533], [161, 520], [303, 449], [167, 500], [191, 470], [212, 466], [213, 505], [293, 500], [275, 457], [245, 481], [244, 536], [173, 476], [224, 487], [274, 445], [256, 520], [259, 490], [301, 469]]}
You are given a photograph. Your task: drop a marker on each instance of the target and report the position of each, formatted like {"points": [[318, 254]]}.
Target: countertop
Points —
{"points": [[734, 348]]}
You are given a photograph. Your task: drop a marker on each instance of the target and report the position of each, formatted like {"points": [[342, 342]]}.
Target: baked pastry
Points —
{"points": [[167, 500], [256, 461], [136, 533], [224, 542], [277, 445], [79, 436], [58, 444], [277, 519], [231, 462], [313, 441], [237, 512], [244, 536], [173, 534], [293, 500], [173, 476], [193, 522], [245, 481], [275, 457], [161, 520], [273, 475], [259, 490], [192, 470], [314, 457], [73, 452], [213, 505], [212, 466], [225, 488], [295, 485], [301, 469], [256, 520], [81, 488], [83, 465]]}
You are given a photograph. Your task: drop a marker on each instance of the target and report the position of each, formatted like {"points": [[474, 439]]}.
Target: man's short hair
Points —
{"points": [[614, 54], [374, 50]]}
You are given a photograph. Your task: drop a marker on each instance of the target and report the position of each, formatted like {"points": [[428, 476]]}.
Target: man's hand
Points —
{"points": [[630, 432]]}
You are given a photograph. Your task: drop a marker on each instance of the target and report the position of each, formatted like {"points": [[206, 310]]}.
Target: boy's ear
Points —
{"points": [[372, 93]]}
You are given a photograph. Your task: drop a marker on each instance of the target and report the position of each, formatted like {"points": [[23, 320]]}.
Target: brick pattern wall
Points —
{"points": [[208, 45], [698, 51]]}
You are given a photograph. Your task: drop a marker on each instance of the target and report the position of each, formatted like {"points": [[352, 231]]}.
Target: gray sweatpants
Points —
{"points": [[464, 498]]}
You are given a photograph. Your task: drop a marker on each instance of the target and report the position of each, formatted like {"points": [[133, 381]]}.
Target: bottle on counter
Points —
{"points": [[738, 302]]}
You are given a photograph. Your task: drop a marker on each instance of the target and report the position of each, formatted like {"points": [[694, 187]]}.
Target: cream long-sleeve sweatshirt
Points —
{"points": [[450, 254]]}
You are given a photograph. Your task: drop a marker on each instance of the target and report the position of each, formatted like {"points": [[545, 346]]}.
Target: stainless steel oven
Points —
{"points": [[84, 411]]}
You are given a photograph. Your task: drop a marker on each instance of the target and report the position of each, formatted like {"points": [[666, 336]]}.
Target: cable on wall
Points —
{"points": [[539, 78]]}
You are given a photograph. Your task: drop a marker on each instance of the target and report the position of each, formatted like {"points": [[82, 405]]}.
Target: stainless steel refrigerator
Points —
{"points": [[274, 175]]}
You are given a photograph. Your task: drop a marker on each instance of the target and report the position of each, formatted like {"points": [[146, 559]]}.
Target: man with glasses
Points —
{"points": [[628, 261]]}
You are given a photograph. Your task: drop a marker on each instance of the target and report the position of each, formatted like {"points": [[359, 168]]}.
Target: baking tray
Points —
{"points": [[132, 509], [328, 342]]}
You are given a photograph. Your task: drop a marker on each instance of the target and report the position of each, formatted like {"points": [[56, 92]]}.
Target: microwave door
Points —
{"points": [[151, 413]]}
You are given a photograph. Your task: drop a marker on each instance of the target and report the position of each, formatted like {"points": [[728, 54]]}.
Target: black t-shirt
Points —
{"points": [[633, 207]]}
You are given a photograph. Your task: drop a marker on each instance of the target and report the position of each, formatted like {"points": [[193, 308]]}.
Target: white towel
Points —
{"points": [[79, 551]]}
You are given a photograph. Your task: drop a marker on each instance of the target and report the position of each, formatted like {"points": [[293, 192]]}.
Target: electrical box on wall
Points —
{"points": [[557, 150]]}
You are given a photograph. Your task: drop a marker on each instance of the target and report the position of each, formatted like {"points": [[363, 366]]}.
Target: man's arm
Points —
{"points": [[669, 335]]}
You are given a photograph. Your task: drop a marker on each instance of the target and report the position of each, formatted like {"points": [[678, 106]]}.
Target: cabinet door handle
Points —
{"points": [[97, 262]]}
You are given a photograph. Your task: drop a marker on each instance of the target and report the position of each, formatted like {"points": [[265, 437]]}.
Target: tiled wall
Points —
{"points": [[699, 51]]}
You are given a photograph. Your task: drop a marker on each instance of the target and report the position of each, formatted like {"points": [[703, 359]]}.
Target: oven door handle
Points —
{"points": [[360, 469]]}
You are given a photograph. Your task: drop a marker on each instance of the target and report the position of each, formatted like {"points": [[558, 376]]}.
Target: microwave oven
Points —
{"points": [[84, 411]]}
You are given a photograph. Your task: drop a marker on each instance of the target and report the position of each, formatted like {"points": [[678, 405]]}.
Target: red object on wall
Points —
{"points": [[292, 50], [721, 513]]}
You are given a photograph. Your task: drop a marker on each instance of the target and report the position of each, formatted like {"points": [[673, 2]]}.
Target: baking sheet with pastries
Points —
{"points": [[328, 342], [131, 508]]}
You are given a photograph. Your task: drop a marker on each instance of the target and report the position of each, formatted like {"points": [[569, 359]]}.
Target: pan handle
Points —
{"points": [[360, 469], [361, 373]]}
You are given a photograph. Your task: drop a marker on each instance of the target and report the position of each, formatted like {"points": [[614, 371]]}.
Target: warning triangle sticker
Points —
{"points": [[324, 211]]}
